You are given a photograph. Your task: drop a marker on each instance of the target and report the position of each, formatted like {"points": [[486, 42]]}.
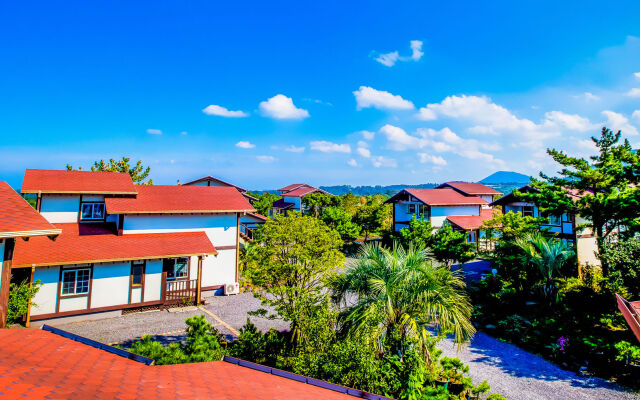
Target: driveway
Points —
{"points": [[509, 370]]}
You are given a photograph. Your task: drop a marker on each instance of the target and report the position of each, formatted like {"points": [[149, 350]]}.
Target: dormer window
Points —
{"points": [[92, 211]]}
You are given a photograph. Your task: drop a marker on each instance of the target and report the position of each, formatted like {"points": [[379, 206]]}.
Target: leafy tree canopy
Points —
{"points": [[450, 247], [316, 202], [340, 220], [264, 203], [137, 172]]}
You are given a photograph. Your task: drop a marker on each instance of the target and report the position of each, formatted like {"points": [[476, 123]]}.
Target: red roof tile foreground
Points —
{"points": [[74, 246], [159, 199], [89, 182], [471, 188], [472, 222], [18, 218], [36, 364], [441, 197]]}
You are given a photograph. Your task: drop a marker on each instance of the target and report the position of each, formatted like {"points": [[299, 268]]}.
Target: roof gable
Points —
{"points": [[214, 179], [80, 182], [293, 186], [18, 218], [439, 197], [471, 188], [159, 199]]}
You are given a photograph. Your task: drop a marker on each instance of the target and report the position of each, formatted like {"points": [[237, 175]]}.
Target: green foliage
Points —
{"points": [[202, 344], [350, 203], [496, 397], [482, 388], [137, 172], [419, 232], [264, 203], [19, 297], [627, 352], [340, 220], [622, 258], [373, 216], [607, 183], [450, 247], [401, 292], [548, 256], [293, 255], [316, 202]]}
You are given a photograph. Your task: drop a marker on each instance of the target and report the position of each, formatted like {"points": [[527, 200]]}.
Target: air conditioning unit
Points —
{"points": [[231, 288]]}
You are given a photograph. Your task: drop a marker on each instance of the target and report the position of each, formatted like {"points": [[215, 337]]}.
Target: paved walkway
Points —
{"points": [[510, 371]]}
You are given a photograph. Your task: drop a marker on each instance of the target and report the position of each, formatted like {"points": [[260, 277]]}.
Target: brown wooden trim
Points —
{"points": [[142, 212], [233, 246], [59, 289], [79, 208], [53, 264], [95, 310], [27, 323], [73, 296], [5, 280], [139, 286], [163, 287], [199, 281], [39, 202], [214, 287], [237, 273], [26, 234], [120, 224]]}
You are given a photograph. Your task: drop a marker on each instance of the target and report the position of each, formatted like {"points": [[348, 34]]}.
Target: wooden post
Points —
{"points": [[5, 280], [39, 202], [199, 282], [163, 288], [33, 272], [238, 248]]}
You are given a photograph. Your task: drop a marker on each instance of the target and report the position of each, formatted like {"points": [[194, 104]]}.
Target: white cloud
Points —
{"points": [[400, 140], [223, 112], [636, 115], [388, 59], [616, 122], [266, 159], [183, 133], [436, 160], [154, 131], [636, 74], [352, 163], [635, 92], [282, 107], [330, 147], [588, 96], [368, 135], [381, 161], [243, 144], [362, 143], [294, 149], [569, 121], [369, 97], [416, 48], [366, 153], [445, 140]]}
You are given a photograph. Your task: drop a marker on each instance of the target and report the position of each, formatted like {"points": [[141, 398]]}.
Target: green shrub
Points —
{"points": [[19, 297], [496, 397], [627, 352]]}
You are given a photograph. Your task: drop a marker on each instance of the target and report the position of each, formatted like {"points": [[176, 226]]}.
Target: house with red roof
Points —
{"points": [[439, 206], [291, 197], [566, 226], [472, 189], [127, 246]]}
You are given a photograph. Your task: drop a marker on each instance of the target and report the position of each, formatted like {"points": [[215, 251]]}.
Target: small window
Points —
{"points": [[412, 209], [527, 211], [471, 237], [137, 271], [554, 220], [75, 281], [176, 268], [92, 211]]}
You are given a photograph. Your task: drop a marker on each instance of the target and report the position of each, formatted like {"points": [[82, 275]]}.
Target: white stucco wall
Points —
{"points": [[220, 228], [439, 214], [73, 304], [60, 208], [45, 300], [136, 295], [110, 284], [153, 280], [220, 269]]}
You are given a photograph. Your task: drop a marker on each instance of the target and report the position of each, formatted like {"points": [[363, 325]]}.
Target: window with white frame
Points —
{"points": [[419, 210], [176, 268], [92, 211], [471, 237], [527, 211], [75, 281]]}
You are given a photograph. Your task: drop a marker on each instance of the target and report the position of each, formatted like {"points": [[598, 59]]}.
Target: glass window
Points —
{"points": [[554, 220], [92, 211], [412, 209], [75, 281], [471, 237], [176, 268], [527, 211], [137, 270]]}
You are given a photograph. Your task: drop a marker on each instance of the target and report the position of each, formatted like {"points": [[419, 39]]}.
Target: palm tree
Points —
{"points": [[393, 296], [548, 256]]}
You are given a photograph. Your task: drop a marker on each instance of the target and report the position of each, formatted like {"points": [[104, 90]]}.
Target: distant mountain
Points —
{"points": [[502, 177]]}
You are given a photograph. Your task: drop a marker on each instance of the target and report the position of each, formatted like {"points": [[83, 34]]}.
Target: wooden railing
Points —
{"points": [[180, 291], [246, 230], [630, 314]]}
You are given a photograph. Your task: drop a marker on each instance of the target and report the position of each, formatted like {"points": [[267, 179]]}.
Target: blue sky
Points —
{"points": [[268, 93]]}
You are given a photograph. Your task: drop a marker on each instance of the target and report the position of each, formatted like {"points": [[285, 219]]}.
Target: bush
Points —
{"points": [[496, 397], [19, 297]]}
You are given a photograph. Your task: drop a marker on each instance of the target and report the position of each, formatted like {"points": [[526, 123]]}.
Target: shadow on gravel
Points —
{"points": [[519, 363]]}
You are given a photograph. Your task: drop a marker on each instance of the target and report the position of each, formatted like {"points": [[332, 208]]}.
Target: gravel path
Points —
{"points": [[520, 375]]}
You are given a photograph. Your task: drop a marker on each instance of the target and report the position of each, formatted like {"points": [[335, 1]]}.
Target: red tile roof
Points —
{"points": [[36, 364], [157, 199], [442, 197], [80, 243], [471, 188], [292, 186], [213, 178], [303, 191], [472, 222], [18, 218], [89, 182]]}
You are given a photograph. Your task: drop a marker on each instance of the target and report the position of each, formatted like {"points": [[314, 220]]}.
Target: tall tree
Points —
{"points": [[450, 247], [340, 220], [604, 190], [137, 172], [419, 232], [295, 253], [399, 295], [265, 202], [316, 202]]}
